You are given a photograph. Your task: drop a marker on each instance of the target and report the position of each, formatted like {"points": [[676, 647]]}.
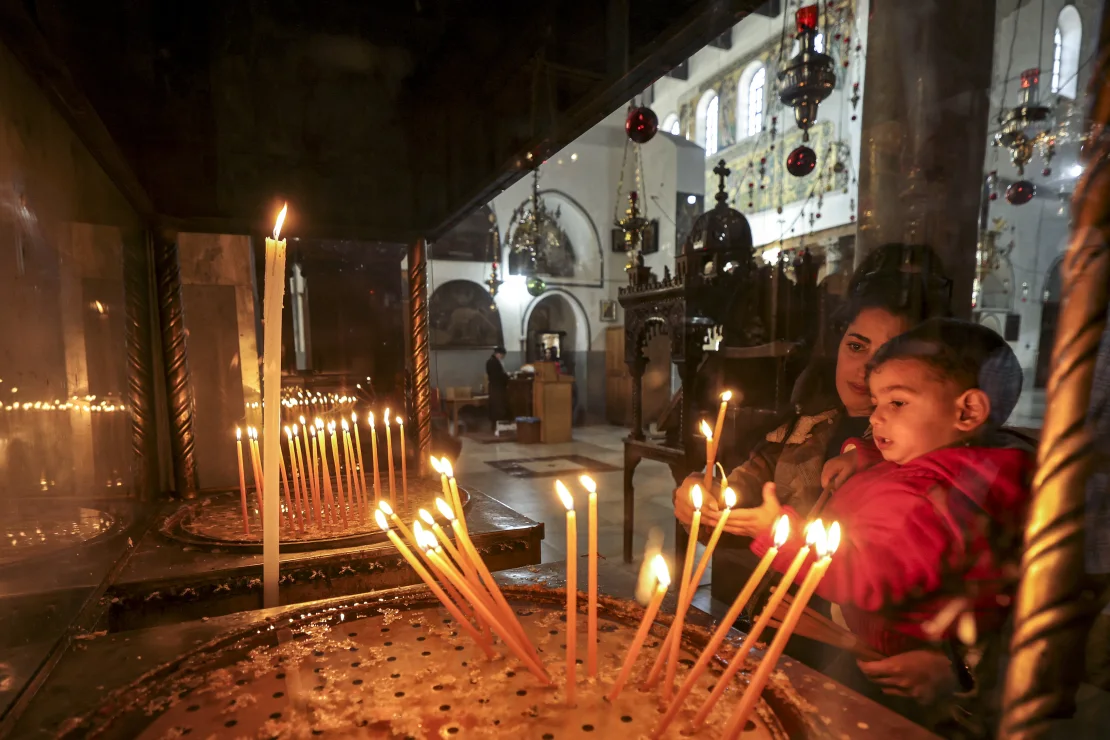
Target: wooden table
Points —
{"points": [[454, 404]]}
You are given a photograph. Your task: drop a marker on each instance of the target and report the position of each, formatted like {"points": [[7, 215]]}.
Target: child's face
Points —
{"points": [[916, 411]]}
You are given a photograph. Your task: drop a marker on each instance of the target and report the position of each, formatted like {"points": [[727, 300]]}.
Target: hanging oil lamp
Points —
{"points": [[808, 78], [1024, 131]]}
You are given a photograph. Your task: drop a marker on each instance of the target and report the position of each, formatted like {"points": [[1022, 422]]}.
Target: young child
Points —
{"points": [[925, 524]]}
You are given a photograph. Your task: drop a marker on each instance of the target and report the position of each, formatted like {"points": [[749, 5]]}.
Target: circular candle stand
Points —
{"points": [[36, 531], [215, 522], [394, 665]]}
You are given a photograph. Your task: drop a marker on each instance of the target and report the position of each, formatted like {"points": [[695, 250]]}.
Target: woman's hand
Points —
{"points": [[838, 469], [684, 508], [926, 676], [750, 522]]}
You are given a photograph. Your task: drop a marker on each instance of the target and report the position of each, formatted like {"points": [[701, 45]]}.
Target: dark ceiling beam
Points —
{"points": [[682, 37], [20, 34]]}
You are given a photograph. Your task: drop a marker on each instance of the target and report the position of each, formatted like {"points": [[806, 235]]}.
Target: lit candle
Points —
{"points": [[417, 536], [404, 464], [479, 605], [750, 639], [469, 552], [252, 442], [825, 547], [317, 497], [374, 452], [298, 492], [308, 477], [455, 499], [349, 467], [708, 433], [389, 458], [719, 427], [463, 622], [685, 595], [341, 501], [285, 487], [674, 636], [781, 535], [662, 581], [591, 577], [361, 465], [461, 560], [325, 471], [242, 479], [274, 295], [572, 589]]}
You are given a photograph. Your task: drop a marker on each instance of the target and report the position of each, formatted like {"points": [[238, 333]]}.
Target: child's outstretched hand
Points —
{"points": [[750, 522], [926, 676], [838, 469]]}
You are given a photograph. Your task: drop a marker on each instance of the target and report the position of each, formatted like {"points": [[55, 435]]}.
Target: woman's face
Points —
{"points": [[871, 329]]}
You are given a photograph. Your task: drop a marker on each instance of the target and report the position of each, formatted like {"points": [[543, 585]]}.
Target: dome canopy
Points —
{"points": [[721, 229]]}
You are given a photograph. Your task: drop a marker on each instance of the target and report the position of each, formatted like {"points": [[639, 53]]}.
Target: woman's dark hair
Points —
{"points": [[906, 280]]}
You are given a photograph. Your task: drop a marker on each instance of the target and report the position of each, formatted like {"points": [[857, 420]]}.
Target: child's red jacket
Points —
{"points": [[915, 536]]}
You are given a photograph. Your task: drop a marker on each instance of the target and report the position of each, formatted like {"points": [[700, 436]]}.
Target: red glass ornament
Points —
{"points": [[806, 18], [1046, 171], [641, 125], [801, 161], [994, 196], [1021, 192]]}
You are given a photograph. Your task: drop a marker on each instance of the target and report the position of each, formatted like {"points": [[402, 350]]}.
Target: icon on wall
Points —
{"points": [[609, 311]]}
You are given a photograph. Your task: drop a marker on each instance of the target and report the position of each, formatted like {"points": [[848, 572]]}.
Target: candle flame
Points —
{"points": [[319, 423], [815, 534], [289, 433], [832, 538], [427, 540], [706, 430], [588, 483], [445, 467], [302, 421], [238, 433], [296, 430], [385, 417], [399, 422], [445, 509], [696, 496], [370, 416], [662, 573], [564, 495], [280, 221], [418, 532], [384, 506], [379, 517], [426, 516], [354, 418], [782, 530], [346, 426], [435, 464], [726, 396], [730, 497]]}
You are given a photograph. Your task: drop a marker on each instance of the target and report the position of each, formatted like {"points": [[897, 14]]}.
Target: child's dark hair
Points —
{"points": [[971, 355]]}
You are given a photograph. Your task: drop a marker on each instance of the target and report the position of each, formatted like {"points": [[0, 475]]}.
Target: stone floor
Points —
{"points": [[523, 477]]}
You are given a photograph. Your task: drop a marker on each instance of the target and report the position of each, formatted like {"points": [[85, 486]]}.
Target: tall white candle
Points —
{"points": [[274, 284]]}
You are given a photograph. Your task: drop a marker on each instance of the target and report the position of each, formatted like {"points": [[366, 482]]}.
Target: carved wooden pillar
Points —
{"points": [[1055, 602], [179, 389], [421, 354], [140, 370], [636, 368]]}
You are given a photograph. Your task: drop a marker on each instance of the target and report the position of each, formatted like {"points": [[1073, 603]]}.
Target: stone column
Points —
{"points": [[140, 370], [926, 111], [420, 362], [179, 388]]}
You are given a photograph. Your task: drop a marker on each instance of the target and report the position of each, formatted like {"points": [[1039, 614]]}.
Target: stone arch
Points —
{"points": [[461, 315]]}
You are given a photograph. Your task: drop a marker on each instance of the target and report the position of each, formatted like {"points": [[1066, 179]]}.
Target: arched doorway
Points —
{"points": [[558, 314], [1050, 314]]}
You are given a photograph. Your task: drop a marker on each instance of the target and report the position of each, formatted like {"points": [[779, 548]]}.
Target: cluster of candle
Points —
{"points": [[322, 486], [76, 404]]}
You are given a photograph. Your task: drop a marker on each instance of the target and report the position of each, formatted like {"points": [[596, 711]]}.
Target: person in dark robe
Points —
{"points": [[498, 386]]}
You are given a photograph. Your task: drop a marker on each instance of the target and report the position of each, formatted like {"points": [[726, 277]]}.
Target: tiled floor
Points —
{"points": [[598, 450]]}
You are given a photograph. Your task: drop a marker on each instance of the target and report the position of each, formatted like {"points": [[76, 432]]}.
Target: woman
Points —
{"points": [[831, 396]]}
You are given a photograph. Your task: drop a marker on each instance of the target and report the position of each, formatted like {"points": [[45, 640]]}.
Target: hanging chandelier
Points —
{"points": [[989, 257], [1025, 130], [806, 80], [494, 281], [533, 232]]}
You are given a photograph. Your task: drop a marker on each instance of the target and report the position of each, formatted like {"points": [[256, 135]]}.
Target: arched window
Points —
{"points": [[711, 127], [1065, 52], [756, 90], [671, 124]]}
